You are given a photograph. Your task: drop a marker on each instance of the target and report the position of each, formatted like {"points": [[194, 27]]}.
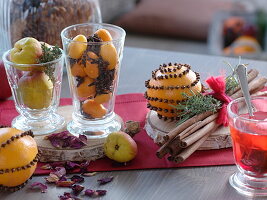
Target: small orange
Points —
{"points": [[84, 89], [91, 68], [103, 98], [104, 35], [77, 46], [77, 69], [94, 109], [18, 151], [109, 53]]}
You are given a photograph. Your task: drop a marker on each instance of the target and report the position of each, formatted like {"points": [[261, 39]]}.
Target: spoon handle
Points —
{"points": [[241, 72]]}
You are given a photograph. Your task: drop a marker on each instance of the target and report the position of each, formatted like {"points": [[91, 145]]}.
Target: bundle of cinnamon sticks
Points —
{"points": [[186, 138]]}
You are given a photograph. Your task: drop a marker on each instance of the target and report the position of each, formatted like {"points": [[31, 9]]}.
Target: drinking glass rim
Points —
{"points": [[62, 34], [233, 115], [6, 53]]}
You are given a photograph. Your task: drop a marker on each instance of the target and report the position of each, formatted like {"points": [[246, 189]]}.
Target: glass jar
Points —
{"points": [[93, 65], [36, 93], [42, 19]]}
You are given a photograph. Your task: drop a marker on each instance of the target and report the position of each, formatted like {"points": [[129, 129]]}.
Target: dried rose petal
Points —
{"points": [[83, 138], [63, 178], [106, 180], [40, 186], [68, 196], [57, 164], [101, 192], [89, 192], [47, 166], [71, 165], [56, 142], [59, 171], [89, 174], [77, 179], [65, 183], [65, 139], [52, 178], [94, 193], [76, 143], [77, 189], [83, 166], [62, 135]]}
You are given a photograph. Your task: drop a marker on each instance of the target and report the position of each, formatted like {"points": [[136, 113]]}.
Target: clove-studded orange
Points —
{"points": [[18, 157], [167, 87]]}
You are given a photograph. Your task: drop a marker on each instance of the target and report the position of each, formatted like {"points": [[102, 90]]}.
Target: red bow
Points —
{"points": [[217, 84]]}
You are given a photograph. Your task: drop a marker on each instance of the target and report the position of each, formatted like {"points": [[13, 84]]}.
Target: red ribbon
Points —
{"points": [[218, 85]]}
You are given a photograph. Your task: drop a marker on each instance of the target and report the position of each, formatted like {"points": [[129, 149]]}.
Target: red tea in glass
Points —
{"points": [[249, 138]]}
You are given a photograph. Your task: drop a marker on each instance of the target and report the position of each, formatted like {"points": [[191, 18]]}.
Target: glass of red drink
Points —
{"points": [[249, 138]]}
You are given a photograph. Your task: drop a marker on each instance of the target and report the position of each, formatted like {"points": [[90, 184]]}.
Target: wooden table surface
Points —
{"points": [[207, 183]]}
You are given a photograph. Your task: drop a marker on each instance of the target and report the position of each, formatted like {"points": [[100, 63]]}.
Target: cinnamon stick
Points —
{"points": [[161, 152], [174, 148], [252, 74], [197, 135], [191, 149], [200, 124], [173, 133], [260, 94], [184, 133], [253, 85]]}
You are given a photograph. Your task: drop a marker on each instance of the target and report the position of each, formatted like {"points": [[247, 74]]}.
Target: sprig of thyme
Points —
{"points": [[231, 80], [196, 104], [49, 54]]}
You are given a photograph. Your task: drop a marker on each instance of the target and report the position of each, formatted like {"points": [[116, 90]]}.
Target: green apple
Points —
{"points": [[119, 146], [35, 90], [26, 51]]}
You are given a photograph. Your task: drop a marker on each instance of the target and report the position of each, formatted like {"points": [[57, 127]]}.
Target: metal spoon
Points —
{"points": [[241, 72]]}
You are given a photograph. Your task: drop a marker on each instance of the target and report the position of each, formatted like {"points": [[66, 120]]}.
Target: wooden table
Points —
{"points": [[207, 183]]}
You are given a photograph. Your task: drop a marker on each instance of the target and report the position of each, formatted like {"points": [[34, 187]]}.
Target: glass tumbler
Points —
{"points": [[36, 92], [93, 58], [249, 138]]}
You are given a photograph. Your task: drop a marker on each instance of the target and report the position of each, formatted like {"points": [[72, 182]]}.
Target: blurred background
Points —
{"points": [[218, 27]]}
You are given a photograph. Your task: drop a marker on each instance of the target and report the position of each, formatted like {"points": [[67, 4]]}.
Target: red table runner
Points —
{"points": [[133, 107]]}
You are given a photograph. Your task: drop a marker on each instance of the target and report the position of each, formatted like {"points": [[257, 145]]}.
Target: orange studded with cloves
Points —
{"points": [[168, 86], [18, 157]]}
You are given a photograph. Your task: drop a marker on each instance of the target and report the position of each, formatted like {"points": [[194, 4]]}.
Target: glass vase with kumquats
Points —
{"points": [[93, 58]]}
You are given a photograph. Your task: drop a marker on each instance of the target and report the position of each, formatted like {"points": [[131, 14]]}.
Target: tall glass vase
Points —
{"points": [[93, 64]]}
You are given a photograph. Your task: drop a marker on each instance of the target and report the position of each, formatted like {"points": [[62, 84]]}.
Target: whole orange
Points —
{"points": [[18, 157], [169, 86]]}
